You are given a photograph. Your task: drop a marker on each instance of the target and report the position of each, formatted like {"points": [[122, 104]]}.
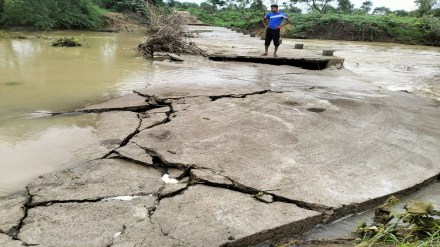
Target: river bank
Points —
{"points": [[253, 151]]}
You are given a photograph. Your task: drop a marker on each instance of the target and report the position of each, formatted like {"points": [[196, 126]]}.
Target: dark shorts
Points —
{"points": [[272, 34]]}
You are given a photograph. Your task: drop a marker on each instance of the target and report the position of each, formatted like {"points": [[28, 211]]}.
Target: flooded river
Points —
{"points": [[37, 77]]}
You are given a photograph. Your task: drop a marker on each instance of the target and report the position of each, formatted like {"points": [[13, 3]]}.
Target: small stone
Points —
{"points": [[264, 198], [231, 238]]}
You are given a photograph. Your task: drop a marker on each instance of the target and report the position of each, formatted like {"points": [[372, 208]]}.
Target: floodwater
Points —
{"points": [[392, 66], [37, 77]]}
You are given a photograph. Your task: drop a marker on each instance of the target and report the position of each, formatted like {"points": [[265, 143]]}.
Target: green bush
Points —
{"points": [[46, 14]]}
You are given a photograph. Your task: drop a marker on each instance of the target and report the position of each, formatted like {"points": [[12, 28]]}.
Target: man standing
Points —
{"points": [[273, 28]]}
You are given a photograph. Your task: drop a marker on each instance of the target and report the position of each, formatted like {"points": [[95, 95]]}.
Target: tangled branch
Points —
{"points": [[166, 34]]}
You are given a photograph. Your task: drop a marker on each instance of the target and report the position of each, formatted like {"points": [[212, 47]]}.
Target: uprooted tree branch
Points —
{"points": [[166, 34]]}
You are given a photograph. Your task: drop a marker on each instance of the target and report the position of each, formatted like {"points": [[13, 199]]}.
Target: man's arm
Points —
{"points": [[287, 21], [265, 21]]}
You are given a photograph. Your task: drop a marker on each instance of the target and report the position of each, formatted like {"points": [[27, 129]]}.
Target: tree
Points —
{"points": [[291, 8], [424, 7], [218, 3], [345, 6], [258, 5], [367, 6], [2, 2], [381, 11], [401, 12], [319, 5]]}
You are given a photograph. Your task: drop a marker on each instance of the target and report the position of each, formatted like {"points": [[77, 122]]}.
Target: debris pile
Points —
{"points": [[166, 34]]}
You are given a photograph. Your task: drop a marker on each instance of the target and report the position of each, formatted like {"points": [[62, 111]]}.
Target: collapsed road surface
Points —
{"points": [[239, 154]]}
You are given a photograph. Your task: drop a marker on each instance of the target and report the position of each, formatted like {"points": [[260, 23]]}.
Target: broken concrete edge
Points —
{"points": [[355, 208], [318, 63], [317, 243], [278, 233]]}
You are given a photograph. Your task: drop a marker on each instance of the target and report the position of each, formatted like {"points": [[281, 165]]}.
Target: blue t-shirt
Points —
{"points": [[275, 19]]}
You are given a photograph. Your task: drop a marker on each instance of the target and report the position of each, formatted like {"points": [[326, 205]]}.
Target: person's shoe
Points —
{"points": [[275, 55], [264, 54]]}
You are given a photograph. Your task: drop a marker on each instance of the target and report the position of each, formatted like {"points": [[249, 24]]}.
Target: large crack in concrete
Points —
{"points": [[15, 231]]}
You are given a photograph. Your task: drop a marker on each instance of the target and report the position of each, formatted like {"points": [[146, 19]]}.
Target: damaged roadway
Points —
{"points": [[234, 155]]}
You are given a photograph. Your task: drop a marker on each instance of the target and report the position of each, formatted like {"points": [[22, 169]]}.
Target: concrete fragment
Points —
{"points": [[135, 153], [114, 127], [210, 176], [11, 212], [164, 109], [176, 173], [152, 119], [175, 57], [86, 224], [127, 102], [208, 216], [94, 180], [264, 197], [171, 189]]}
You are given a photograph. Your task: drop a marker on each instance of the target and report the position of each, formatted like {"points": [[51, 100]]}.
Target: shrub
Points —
{"points": [[66, 41]]}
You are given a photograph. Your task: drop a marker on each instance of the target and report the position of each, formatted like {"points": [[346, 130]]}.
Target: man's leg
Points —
{"points": [[276, 40], [267, 41], [275, 51]]}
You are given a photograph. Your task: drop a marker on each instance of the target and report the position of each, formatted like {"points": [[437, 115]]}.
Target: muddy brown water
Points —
{"points": [[35, 77]]}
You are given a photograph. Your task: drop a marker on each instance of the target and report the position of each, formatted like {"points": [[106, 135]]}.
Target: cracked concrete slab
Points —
{"points": [[350, 151], [6, 241], [95, 180], [11, 212], [129, 102], [85, 224], [113, 128], [208, 216]]}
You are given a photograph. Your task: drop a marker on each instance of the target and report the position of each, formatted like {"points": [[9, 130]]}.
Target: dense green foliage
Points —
{"points": [[243, 18], [47, 14], [342, 22], [44, 14]]}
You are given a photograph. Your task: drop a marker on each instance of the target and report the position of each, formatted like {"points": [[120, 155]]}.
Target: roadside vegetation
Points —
{"points": [[330, 19], [417, 226], [323, 19], [66, 14]]}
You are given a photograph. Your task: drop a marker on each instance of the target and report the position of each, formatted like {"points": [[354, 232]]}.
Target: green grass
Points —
{"points": [[418, 226]]}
